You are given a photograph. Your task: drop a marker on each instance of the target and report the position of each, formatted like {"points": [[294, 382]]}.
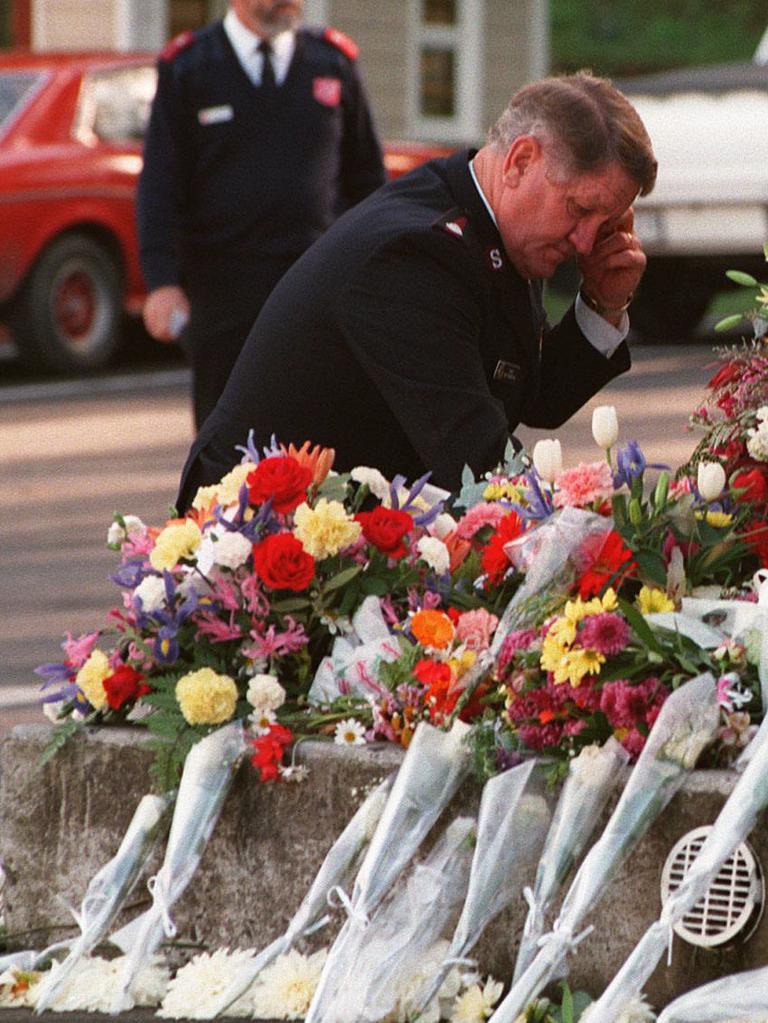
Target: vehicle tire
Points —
{"points": [[671, 300], [68, 314]]}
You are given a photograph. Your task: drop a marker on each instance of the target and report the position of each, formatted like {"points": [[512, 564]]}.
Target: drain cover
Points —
{"points": [[733, 905]]}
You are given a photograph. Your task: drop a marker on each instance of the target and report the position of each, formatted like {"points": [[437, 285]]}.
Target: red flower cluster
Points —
{"points": [[124, 685], [269, 750], [386, 529], [281, 478], [494, 560], [281, 562], [604, 559], [437, 678]]}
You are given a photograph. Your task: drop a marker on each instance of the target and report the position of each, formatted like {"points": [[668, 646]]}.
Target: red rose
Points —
{"points": [[281, 563], [282, 479], [430, 672], [386, 528], [753, 484], [124, 684]]}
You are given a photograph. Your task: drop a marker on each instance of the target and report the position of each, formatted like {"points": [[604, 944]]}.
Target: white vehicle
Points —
{"points": [[709, 210]]}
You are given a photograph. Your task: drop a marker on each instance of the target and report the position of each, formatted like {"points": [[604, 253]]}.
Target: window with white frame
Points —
{"points": [[445, 69]]}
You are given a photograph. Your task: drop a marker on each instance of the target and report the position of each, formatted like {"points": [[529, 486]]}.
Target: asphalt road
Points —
{"points": [[73, 452]]}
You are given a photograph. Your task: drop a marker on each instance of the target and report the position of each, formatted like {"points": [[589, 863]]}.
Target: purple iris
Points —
{"points": [[421, 518], [631, 464]]}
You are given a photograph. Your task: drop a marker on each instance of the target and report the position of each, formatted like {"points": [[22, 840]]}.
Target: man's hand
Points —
{"points": [[166, 312], [613, 269]]}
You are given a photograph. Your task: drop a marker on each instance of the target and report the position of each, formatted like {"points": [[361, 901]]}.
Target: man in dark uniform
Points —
{"points": [[411, 337], [260, 133]]}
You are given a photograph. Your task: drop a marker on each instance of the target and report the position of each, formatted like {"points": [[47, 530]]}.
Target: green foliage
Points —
{"points": [[627, 38]]}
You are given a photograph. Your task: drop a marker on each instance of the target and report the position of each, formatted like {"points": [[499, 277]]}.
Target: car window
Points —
{"points": [[15, 86], [114, 104]]}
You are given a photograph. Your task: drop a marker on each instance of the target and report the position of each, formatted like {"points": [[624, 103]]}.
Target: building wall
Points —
{"points": [[74, 24], [515, 52]]}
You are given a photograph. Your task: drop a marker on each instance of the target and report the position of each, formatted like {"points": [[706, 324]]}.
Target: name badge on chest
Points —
{"points": [[508, 371], [215, 115]]}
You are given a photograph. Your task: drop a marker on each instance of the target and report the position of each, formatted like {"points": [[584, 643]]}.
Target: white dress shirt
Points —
{"points": [[601, 335], [246, 46]]}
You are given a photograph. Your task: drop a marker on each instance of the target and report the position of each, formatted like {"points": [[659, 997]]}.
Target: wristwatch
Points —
{"points": [[604, 310]]}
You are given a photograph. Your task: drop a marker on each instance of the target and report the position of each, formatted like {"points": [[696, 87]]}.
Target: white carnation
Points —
{"points": [[443, 525], [757, 442], [373, 479], [117, 534], [435, 553], [285, 989], [151, 593], [194, 991], [265, 694], [231, 550]]}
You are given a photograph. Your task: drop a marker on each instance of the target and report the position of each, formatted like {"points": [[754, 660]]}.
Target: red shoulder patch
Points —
{"points": [[342, 42], [180, 42]]}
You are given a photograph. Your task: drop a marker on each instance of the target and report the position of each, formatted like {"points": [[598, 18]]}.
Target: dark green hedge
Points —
{"points": [[625, 37]]}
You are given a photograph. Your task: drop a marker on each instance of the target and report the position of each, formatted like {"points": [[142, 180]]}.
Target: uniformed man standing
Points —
{"points": [[260, 134], [411, 337]]}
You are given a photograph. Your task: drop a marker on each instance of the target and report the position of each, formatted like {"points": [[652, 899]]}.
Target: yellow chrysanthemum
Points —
{"points": [[462, 664], [576, 664], [206, 698], [325, 529], [506, 491], [718, 519], [651, 599], [175, 543], [563, 630], [552, 652], [90, 679]]}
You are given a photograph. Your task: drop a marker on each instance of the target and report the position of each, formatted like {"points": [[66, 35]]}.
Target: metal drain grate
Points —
{"points": [[733, 905]]}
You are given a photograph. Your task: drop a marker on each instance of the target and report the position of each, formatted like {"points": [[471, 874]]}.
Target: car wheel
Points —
{"points": [[67, 316], [671, 301]]}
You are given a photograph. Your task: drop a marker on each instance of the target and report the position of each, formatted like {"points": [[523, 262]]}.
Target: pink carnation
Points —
{"points": [[484, 514], [587, 483], [475, 628]]}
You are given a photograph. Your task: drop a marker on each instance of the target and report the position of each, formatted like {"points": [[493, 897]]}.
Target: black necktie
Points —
{"points": [[268, 82]]}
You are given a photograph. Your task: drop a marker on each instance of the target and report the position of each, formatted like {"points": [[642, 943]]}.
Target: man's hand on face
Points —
{"points": [[166, 312], [612, 270]]}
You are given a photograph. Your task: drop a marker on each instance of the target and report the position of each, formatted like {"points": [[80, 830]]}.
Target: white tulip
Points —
{"points": [[548, 459], [605, 426], [710, 480]]}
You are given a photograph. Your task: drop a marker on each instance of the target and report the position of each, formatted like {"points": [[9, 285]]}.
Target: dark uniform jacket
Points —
{"points": [[405, 340], [234, 176]]}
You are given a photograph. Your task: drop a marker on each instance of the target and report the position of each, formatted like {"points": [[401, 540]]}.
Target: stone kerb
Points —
{"points": [[59, 823]]}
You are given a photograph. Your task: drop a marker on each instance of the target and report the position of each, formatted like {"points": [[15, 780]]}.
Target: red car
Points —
{"points": [[71, 127]]}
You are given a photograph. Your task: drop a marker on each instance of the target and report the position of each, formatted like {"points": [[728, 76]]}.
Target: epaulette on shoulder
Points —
{"points": [[453, 222], [342, 42], [172, 49]]}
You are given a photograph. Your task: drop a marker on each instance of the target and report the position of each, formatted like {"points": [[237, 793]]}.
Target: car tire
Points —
{"points": [[68, 314], [671, 301]]}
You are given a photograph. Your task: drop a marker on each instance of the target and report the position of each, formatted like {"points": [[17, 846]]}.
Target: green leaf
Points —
{"points": [[566, 1009], [729, 322], [739, 277], [342, 578], [373, 585], [290, 604], [652, 566], [640, 627]]}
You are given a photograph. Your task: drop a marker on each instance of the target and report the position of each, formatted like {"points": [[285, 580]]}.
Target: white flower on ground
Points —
{"points": [[373, 479], [265, 694], [710, 480], [435, 553], [151, 593], [349, 732], [197, 986], [548, 459], [294, 773], [117, 533], [18, 989], [262, 721], [476, 1004], [592, 767], [636, 1011], [285, 989], [605, 426], [410, 987], [94, 982]]}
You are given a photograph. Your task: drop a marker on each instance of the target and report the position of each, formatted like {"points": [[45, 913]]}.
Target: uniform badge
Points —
{"points": [[455, 225], [327, 91], [494, 259], [508, 371], [215, 115]]}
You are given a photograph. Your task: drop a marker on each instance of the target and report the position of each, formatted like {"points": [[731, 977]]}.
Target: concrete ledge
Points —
{"points": [[61, 821]]}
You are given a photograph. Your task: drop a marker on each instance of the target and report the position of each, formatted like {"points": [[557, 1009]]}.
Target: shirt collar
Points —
{"points": [[481, 193], [244, 42]]}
